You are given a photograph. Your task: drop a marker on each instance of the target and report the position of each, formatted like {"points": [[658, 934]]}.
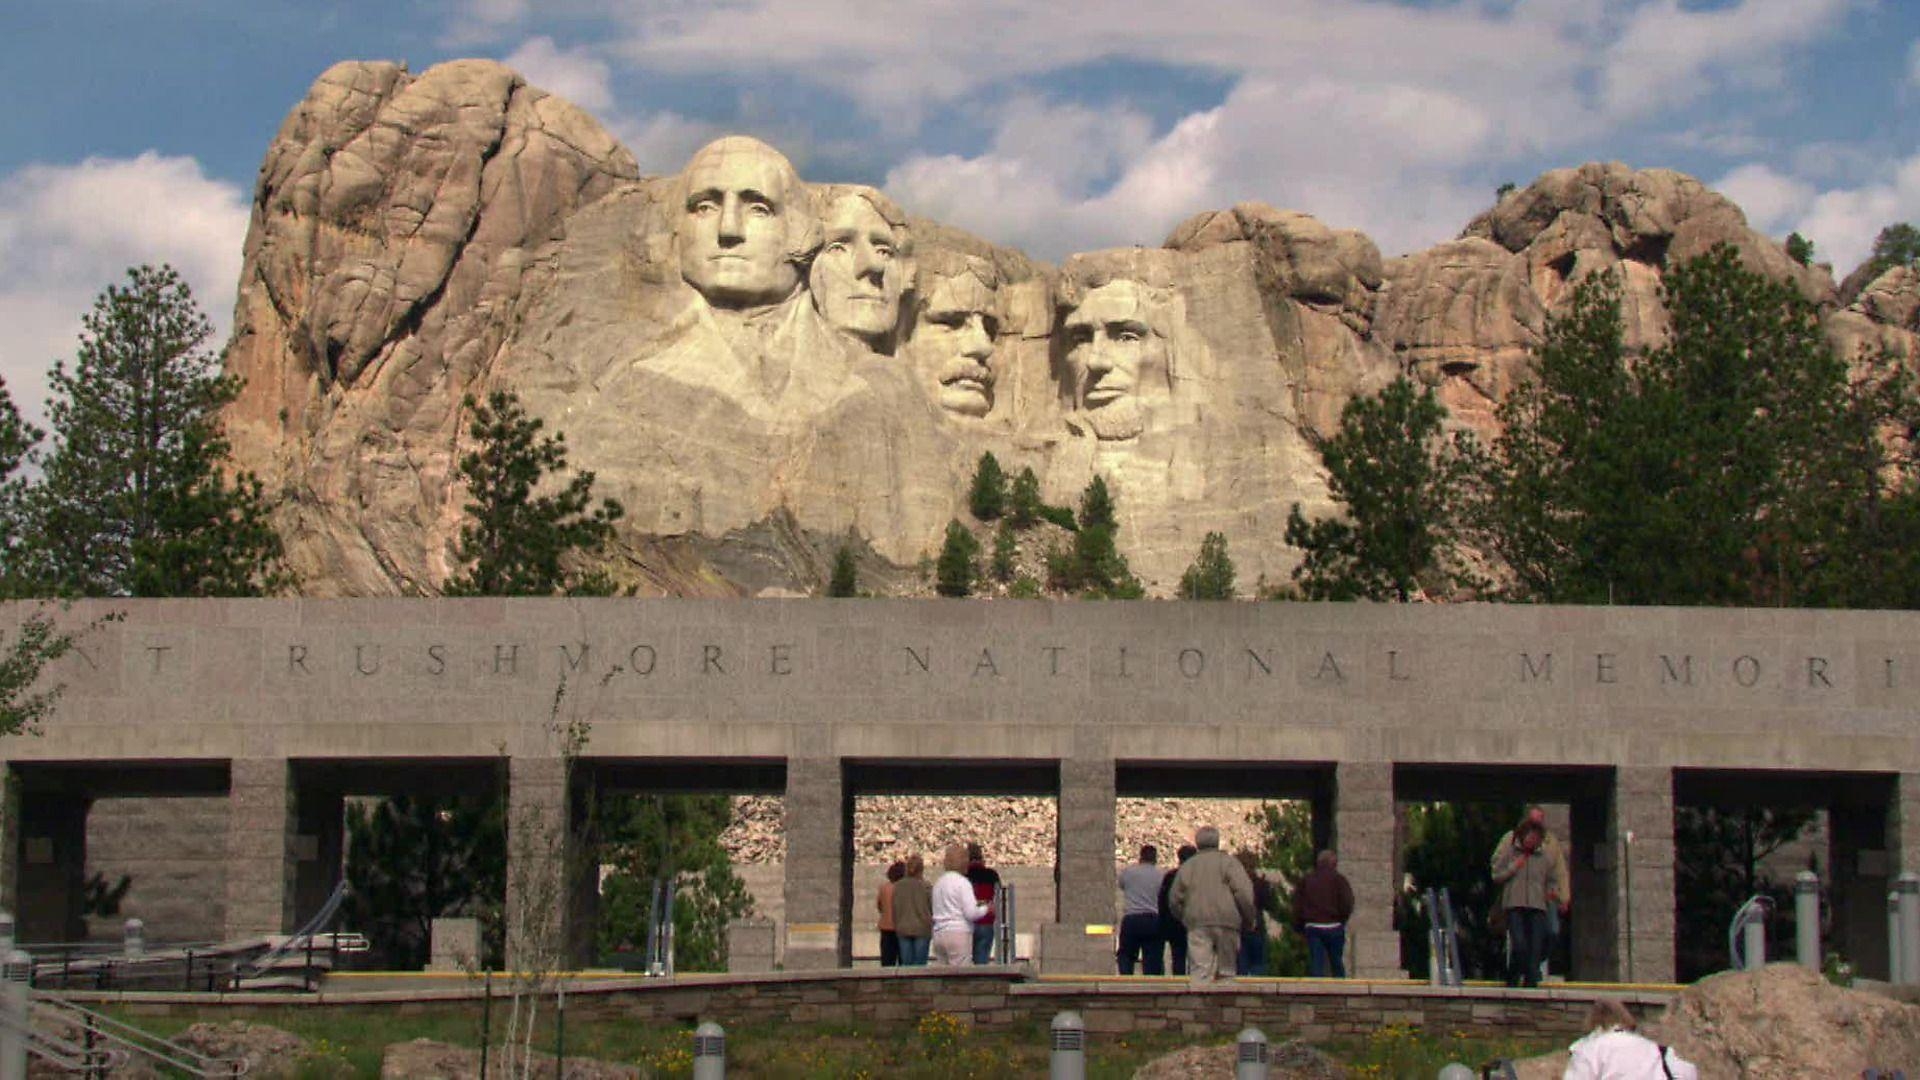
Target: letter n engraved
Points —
{"points": [[297, 659], [1532, 672], [917, 658], [1671, 672], [1255, 660]]}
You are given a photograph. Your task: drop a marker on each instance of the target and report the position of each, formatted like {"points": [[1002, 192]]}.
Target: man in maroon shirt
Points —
{"points": [[986, 881], [1322, 904]]}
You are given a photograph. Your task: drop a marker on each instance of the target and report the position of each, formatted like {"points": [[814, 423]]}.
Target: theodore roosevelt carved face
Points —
{"points": [[862, 266], [953, 332], [745, 225], [1116, 357]]}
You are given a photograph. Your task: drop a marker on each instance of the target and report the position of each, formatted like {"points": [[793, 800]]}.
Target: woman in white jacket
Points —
{"points": [[954, 911], [1614, 1050]]}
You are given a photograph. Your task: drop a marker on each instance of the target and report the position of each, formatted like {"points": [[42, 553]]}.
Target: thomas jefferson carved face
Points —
{"points": [[1116, 358], [737, 228], [953, 340], [858, 275]]}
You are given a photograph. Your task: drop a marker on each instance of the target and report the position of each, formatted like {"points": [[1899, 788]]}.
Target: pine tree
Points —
{"points": [[955, 572], [1004, 552], [988, 497], [1799, 249], [1211, 575], [1099, 570], [1024, 505], [1896, 245], [648, 838], [134, 500], [517, 543], [17, 554], [411, 860], [846, 580]]}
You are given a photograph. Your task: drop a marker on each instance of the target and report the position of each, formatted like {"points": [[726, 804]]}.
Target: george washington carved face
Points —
{"points": [[744, 224]]}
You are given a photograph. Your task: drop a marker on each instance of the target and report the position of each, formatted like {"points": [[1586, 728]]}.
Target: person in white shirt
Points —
{"points": [[954, 910], [1613, 1049]]}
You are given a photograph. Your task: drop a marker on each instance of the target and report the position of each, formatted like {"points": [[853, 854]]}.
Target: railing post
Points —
{"points": [[560, 1030], [133, 937], [1254, 1055], [1069, 1048], [1806, 917], [1908, 886], [709, 1052], [17, 1005], [486, 1020], [1896, 973]]}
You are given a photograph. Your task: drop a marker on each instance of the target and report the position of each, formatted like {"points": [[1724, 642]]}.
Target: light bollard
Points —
{"points": [[16, 1004], [134, 938], [1806, 917], [1069, 1060], [1457, 1071], [1754, 934], [709, 1052], [6, 932], [1254, 1056], [1895, 973], [1907, 885]]}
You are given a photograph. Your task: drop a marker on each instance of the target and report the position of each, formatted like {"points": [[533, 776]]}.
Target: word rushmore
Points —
{"points": [[761, 368]]}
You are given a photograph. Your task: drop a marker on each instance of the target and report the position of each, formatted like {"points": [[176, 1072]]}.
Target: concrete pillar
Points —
{"points": [[541, 865], [819, 867], [1642, 893], [261, 848], [1083, 938], [1363, 838]]}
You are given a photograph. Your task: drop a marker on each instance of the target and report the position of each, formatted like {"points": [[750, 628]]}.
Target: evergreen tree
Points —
{"points": [[1024, 505], [517, 543], [1004, 552], [648, 839], [988, 497], [17, 554], [1896, 245], [1720, 860], [1399, 483], [134, 500], [411, 860], [1099, 570], [955, 572], [1799, 249], [1211, 575], [846, 579]]}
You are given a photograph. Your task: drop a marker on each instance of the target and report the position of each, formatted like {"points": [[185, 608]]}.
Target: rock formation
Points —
{"points": [[761, 369]]}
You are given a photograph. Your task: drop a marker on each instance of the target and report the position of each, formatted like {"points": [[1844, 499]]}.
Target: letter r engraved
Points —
{"points": [[710, 660], [1817, 673], [297, 659]]}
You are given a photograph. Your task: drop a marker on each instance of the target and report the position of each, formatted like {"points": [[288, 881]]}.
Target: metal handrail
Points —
{"points": [[63, 1053], [138, 1042], [325, 915]]}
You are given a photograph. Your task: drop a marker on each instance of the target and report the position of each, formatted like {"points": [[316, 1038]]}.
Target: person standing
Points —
{"points": [[913, 913], [1140, 918], [986, 882], [1171, 930], [1532, 875], [889, 939], [1614, 1049], [1212, 896], [955, 911], [1322, 905], [1252, 958]]}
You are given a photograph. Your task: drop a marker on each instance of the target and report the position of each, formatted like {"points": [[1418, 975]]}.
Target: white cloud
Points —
{"points": [[575, 74], [477, 22], [69, 231], [1913, 63], [662, 143], [1774, 202], [1668, 55], [1841, 221]]}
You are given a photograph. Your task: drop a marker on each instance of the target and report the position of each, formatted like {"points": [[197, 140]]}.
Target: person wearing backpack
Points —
{"points": [[1171, 931], [1614, 1049]]}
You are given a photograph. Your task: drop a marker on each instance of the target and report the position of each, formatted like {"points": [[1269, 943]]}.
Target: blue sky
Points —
{"points": [[137, 125]]}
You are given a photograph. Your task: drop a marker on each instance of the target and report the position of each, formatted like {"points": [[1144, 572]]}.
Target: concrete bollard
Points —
{"points": [[1069, 1048], [134, 935], [1908, 886], [16, 1015], [1254, 1057], [1895, 973], [709, 1052], [1457, 1071], [1806, 917], [6, 932], [1755, 937]]}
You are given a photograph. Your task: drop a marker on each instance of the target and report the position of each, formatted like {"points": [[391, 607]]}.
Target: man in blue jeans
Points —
{"points": [[1322, 904]]}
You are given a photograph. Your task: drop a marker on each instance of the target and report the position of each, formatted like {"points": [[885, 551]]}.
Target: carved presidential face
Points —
{"points": [[953, 340], [858, 274], [734, 230], [1116, 360]]}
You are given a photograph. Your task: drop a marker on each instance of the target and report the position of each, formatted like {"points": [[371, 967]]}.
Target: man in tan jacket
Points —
{"points": [[1531, 870], [1213, 898]]}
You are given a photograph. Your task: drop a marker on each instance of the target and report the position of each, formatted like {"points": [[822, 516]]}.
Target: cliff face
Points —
{"points": [[759, 368]]}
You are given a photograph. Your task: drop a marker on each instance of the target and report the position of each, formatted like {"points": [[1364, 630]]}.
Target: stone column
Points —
{"points": [[1903, 825], [1642, 892], [1083, 938], [819, 867], [540, 907], [1363, 838], [261, 855]]}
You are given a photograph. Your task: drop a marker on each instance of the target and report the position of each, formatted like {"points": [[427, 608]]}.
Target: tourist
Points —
{"points": [[955, 911], [1252, 959], [913, 914], [889, 937], [986, 882], [1532, 874], [1140, 920], [1212, 897], [1614, 1049], [1171, 930], [1322, 904]]}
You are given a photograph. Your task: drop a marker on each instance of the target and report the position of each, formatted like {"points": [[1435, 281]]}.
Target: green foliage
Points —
{"points": [[1024, 587], [1736, 464], [1024, 505], [25, 701], [1720, 857], [956, 571], [1286, 847], [1098, 570], [1211, 575], [134, 499], [1400, 485], [650, 838], [1505, 189], [1449, 846], [1059, 515], [1096, 506], [988, 496], [516, 543], [1004, 552], [411, 860], [846, 577], [1799, 249], [17, 441], [1897, 245]]}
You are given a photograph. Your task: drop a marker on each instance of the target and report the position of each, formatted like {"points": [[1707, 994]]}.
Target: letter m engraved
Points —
{"points": [[1531, 671]]}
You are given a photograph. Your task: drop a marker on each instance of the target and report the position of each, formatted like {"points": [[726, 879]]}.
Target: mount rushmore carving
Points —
{"points": [[760, 368]]}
